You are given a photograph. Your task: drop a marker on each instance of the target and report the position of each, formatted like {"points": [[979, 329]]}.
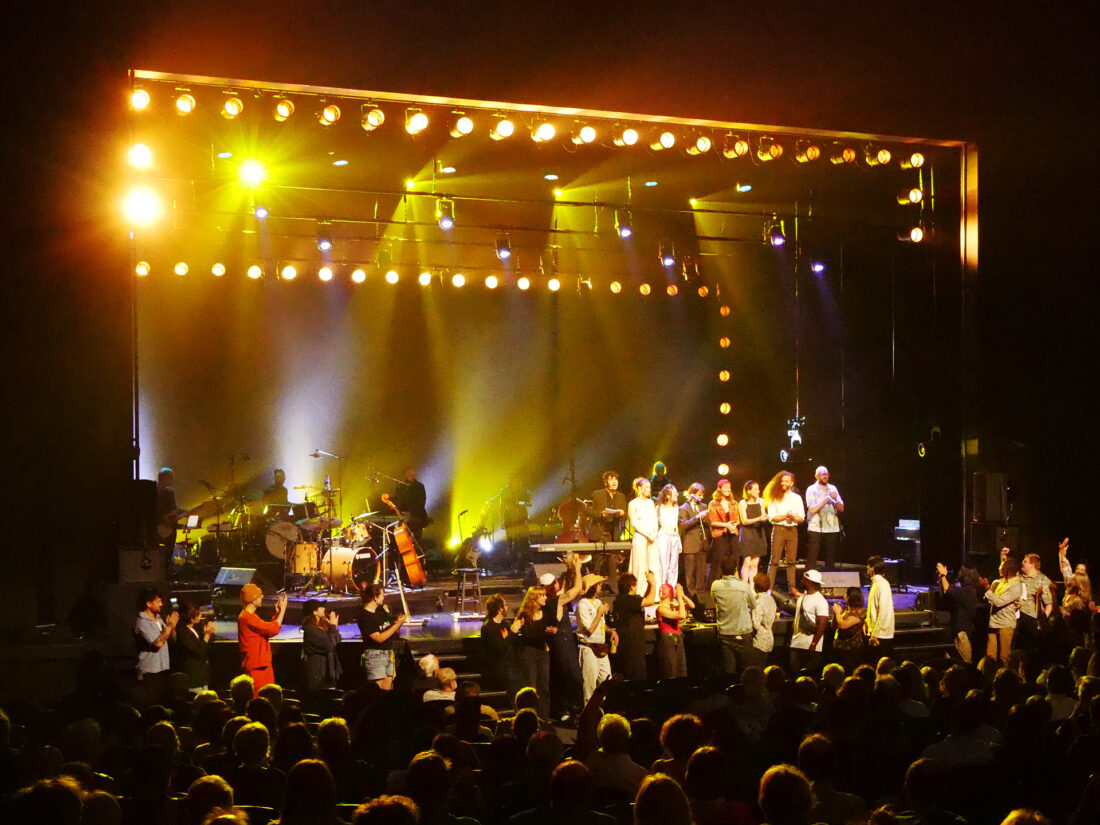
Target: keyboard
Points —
{"points": [[582, 548]]}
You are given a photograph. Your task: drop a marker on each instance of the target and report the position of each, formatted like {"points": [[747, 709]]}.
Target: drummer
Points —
{"points": [[277, 492]]}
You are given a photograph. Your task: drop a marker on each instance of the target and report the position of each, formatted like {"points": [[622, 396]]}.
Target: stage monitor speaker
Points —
{"points": [[537, 569], [227, 590], [990, 497], [835, 584]]}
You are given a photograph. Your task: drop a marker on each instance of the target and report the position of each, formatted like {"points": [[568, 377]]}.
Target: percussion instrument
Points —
{"points": [[303, 558], [347, 568], [281, 536]]}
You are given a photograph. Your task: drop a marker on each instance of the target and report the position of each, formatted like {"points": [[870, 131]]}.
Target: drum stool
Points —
{"points": [[469, 589]]}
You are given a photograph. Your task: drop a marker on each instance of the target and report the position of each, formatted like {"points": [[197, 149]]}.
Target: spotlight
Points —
{"points": [[232, 107], [324, 240], [255, 272], [914, 161], [665, 140], [485, 544], [876, 155], [260, 212], [700, 146], [185, 104], [667, 255], [616, 287], [627, 137], [283, 110], [392, 277], [922, 449], [141, 269], [724, 342], [725, 408], [140, 156], [139, 98], [842, 154], [180, 268], [622, 223], [724, 310], [703, 291], [542, 131], [743, 187], [524, 283], [784, 456], [723, 469], [463, 126], [252, 173], [734, 147], [672, 290], [504, 248], [142, 206], [767, 149], [492, 281], [722, 440], [794, 430], [325, 273], [458, 279], [806, 152], [445, 214], [908, 196], [424, 278], [553, 284], [583, 284], [773, 232], [289, 272], [503, 128], [817, 267], [371, 117], [217, 270], [415, 121], [914, 234], [329, 114], [359, 275], [645, 289], [586, 134]]}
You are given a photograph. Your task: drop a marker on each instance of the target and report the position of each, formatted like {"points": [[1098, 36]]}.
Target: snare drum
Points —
{"points": [[303, 558], [348, 567], [280, 537]]}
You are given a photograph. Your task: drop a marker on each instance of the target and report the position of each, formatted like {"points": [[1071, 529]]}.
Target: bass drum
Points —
{"points": [[280, 538], [346, 568]]}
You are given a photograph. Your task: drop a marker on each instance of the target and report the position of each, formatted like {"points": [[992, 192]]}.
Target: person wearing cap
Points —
{"points": [[671, 611], [320, 636], [823, 508], [592, 634], [254, 636], [811, 618], [734, 601], [879, 622]]}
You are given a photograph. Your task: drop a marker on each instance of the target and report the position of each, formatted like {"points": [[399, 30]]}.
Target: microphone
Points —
{"points": [[315, 454], [464, 512]]}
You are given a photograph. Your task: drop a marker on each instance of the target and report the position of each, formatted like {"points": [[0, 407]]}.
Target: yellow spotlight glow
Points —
{"points": [[458, 279], [372, 118], [666, 140], [724, 376], [586, 134], [553, 284], [542, 132], [252, 173], [283, 109], [735, 147], [722, 440], [289, 273], [700, 146], [424, 278], [502, 129], [392, 277], [232, 107], [645, 289], [180, 268], [359, 275], [218, 269], [908, 196], [492, 281], [558, 193], [768, 149], [672, 290], [703, 291], [914, 161], [842, 155], [463, 126], [325, 273], [140, 156], [725, 408], [329, 114], [415, 121], [724, 310], [616, 287], [724, 342], [255, 272], [876, 156], [142, 206], [806, 152], [185, 104], [627, 137], [916, 234], [141, 269], [524, 283], [723, 469], [139, 99]]}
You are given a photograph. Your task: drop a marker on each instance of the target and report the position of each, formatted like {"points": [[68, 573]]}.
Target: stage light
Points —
{"points": [[734, 147], [665, 140], [774, 233], [463, 126], [876, 155], [701, 145], [329, 114], [324, 240], [724, 342], [724, 376], [622, 223], [359, 275], [325, 273], [784, 456], [410, 184], [725, 407], [185, 104], [371, 117], [445, 214], [542, 131], [283, 110], [627, 137], [255, 272], [649, 184], [553, 284], [445, 170], [586, 134], [584, 285], [914, 234], [392, 277], [252, 173], [503, 128], [504, 247], [225, 154], [341, 162], [672, 290], [288, 272], [908, 196], [922, 449], [645, 289], [767, 149], [722, 440], [140, 156], [550, 176], [559, 194], [666, 254], [724, 310], [181, 268], [703, 291], [260, 212], [616, 287], [817, 267], [424, 278], [458, 279], [806, 152], [232, 107], [141, 269], [524, 283], [723, 469], [139, 99], [743, 187], [492, 281], [217, 270], [841, 155], [142, 206], [913, 161]]}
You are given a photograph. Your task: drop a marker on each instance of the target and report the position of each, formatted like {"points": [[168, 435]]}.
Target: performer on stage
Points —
{"points": [[695, 539], [752, 540], [823, 508], [785, 512], [378, 627], [1004, 600], [498, 649], [1037, 599], [723, 527], [879, 622], [277, 492], [607, 514], [643, 549], [660, 478], [166, 513], [668, 535], [254, 636], [672, 610], [411, 497], [534, 630], [592, 632], [320, 637]]}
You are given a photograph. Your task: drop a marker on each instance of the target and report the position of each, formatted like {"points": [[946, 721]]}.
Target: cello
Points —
{"points": [[407, 548], [573, 513]]}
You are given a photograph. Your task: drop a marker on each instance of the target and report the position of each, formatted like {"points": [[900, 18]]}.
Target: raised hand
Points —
{"points": [[941, 569]]}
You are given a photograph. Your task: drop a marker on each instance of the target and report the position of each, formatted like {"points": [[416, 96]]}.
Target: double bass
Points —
{"points": [[407, 548], [573, 513]]}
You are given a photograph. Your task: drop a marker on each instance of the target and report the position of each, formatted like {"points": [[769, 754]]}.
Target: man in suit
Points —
{"points": [[695, 539], [607, 513]]}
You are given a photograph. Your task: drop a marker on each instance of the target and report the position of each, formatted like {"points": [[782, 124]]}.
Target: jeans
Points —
{"points": [[735, 652]]}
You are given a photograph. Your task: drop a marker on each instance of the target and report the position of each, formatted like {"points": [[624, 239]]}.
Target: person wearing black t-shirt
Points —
{"points": [[534, 627], [498, 649], [378, 627], [628, 619]]}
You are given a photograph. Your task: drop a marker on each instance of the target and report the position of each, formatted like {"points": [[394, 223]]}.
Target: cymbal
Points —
{"points": [[364, 516], [220, 527], [320, 523]]}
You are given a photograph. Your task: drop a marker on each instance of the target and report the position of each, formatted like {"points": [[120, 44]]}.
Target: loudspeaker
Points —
{"points": [[835, 584], [141, 565], [138, 520], [537, 569], [989, 497]]}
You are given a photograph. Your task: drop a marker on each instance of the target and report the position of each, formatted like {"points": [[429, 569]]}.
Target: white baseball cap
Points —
{"points": [[547, 579], [813, 575]]}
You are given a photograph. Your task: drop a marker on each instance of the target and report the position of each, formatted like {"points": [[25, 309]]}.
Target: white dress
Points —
{"points": [[642, 513]]}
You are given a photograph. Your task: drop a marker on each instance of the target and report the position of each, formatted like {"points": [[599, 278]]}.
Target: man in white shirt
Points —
{"points": [[592, 637], [879, 621], [151, 633], [811, 618], [823, 508], [785, 512]]}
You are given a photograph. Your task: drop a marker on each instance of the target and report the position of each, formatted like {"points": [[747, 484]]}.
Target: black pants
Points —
{"points": [[535, 665], [722, 546], [735, 652], [816, 542], [805, 660]]}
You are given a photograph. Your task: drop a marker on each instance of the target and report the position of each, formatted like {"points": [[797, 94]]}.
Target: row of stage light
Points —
{"points": [[543, 128]]}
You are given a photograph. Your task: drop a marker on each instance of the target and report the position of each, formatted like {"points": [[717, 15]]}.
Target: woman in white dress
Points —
{"points": [[668, 535], [642, 513]]}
